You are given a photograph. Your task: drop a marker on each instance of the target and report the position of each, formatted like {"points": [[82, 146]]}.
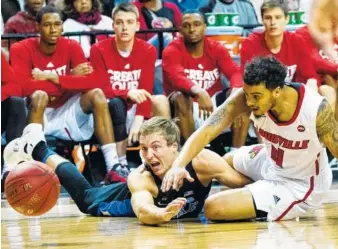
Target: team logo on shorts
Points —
{"points": [[255, 150]]}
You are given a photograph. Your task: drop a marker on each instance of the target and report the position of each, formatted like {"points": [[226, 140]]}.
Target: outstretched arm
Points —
{"points": [[143, 203], [221, 119], [327, 127]]}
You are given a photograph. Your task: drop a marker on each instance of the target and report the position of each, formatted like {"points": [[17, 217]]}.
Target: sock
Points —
{"points": [[110, 155], [41, 152], [33, 127], [123, 160]]}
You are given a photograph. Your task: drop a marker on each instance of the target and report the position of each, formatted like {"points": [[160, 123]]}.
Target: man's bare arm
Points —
{"points": [[327, 127]]}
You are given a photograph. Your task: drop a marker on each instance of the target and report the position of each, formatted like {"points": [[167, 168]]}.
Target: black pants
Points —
{"points": [[86, 197], [13, 117]]}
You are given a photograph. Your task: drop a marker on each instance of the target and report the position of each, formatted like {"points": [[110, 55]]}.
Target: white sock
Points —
{"points": [[33, 127], [123, 160], [110, 155]]}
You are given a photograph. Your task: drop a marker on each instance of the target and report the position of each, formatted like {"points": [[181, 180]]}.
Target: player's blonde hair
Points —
{"points": [[166, 127]]}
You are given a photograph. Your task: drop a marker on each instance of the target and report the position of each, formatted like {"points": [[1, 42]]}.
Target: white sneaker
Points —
{"points": [[14, 154], [21, 149]]}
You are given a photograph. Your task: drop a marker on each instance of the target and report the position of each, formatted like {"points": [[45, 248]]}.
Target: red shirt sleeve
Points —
{"points": [[147, 82], [22, 65], [77, 55], [228, 67], [306, 64], [246, 54], [173, 70]]}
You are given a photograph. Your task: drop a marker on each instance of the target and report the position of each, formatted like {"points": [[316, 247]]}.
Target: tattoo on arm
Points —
{"points": [[221, 113], [327, 127]]}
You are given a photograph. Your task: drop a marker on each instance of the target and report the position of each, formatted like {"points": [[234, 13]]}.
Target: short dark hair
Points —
{"points": [[69, 11], [126, 7], [192, 11], [45, 10], [270, 4], [267, 70]]}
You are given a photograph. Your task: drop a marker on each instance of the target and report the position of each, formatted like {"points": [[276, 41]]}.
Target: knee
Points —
{"points": [[183, 103], [160, 106], [212, 210], [17, 102], [39, 99], [118, 110], [97, 97]]}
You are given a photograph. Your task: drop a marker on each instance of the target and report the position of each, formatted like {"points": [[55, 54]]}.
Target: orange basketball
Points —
{"points": [[32, 188]]}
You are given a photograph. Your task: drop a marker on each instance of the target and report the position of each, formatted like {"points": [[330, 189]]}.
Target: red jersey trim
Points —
{"points": [[299, 201], [301, 92]]}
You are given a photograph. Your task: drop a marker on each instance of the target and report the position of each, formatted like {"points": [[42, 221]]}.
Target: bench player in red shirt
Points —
{"points": [[192, 67], [129, 63], [68, 107], [285, 46]]}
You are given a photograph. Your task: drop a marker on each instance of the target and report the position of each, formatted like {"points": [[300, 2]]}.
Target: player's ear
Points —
{"points": [[137, 26], [37, 27], [277, 92]]}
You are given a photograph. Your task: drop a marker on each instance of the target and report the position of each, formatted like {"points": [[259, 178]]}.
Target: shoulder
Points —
{"points": [[144, 47], [216, 46], [69, 42], [25, 44], [140, 179], [254, 37], [173, 46], [102, 45]]}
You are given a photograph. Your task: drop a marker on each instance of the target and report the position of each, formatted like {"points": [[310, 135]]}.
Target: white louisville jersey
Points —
{"points": [[294, 146]]}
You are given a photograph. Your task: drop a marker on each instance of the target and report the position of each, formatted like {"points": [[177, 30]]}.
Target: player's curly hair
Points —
{"points": [[166, 127], [267, 70]]}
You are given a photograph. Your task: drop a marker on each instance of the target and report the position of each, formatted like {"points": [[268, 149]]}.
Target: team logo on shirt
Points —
{"points": [[59, 70], [301, 128], [291, 73], [203, 78], [122, 80], [255, 150]]}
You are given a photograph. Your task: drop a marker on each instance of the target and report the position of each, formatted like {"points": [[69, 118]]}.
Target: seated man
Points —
{"points": [[192, 67], [63, 111], [160, 147], [129, 63], [290, 169]]}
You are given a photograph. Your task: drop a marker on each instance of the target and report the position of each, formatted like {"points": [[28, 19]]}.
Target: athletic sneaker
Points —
{"points": [[113, 177], [21, 149], [122, 170]]}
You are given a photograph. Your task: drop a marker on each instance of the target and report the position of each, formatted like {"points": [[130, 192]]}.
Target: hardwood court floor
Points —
{"points": [[65, 227]]}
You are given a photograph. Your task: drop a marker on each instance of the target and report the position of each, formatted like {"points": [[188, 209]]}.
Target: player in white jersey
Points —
{"points": [[289, 171]]}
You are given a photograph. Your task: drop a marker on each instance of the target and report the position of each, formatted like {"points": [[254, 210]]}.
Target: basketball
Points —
{"points": [[32, 188]]}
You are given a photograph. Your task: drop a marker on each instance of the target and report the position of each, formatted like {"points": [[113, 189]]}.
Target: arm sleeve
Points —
{"points": [[147, 83], [306, 63], [22, 65], [77, 55], [246, 54], [228, 67], [173, 71]]}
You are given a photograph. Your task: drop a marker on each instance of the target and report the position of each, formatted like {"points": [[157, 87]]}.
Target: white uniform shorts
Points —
{"points": [[130, 117], [282, 198], [64, 122]]}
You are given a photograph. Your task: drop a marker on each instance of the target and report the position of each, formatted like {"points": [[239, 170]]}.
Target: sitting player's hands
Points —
{"points": [[173, 209], [134, 132], [138, 95], [37, 74], [174, 178], [204, 103], [82, 69]]}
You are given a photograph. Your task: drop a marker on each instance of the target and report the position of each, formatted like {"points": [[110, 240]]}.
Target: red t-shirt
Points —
{"points": [[294, 54], [322, 63], [9, 84], [181, 71], [137, 71], [26, 55]]}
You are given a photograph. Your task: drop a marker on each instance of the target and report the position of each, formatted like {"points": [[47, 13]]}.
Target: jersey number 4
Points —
{"points": [[277, 155]]}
